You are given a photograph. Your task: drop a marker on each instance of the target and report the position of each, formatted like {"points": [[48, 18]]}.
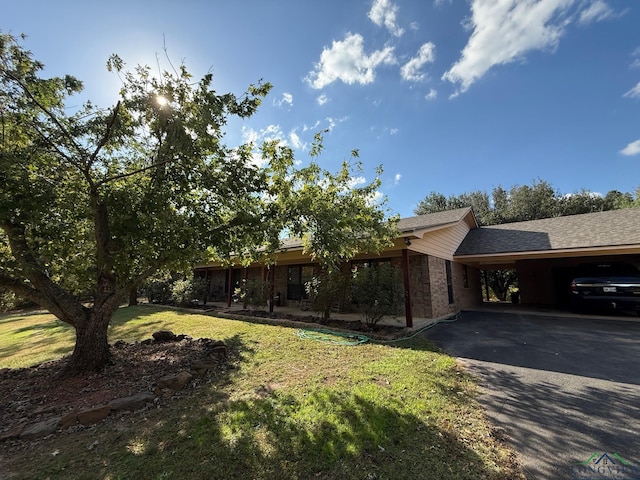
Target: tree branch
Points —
{"points": [[41, 289], [107, 134], [130, 174], [47, 112]]}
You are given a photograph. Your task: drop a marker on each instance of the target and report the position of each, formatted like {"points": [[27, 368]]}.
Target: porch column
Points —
{"points": [[486, 284], [407, 288], [229, 286], [270, 278]]}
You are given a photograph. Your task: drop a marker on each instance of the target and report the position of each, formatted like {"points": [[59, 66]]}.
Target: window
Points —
{"points": [[356, 264], [447, 266], [236, 280], [297, 276]]}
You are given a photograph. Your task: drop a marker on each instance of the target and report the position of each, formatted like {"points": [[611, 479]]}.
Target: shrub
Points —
{"points": [[10, 301], [188, 291], [377, 291], [253, 293], [159, 289], [324, 292]]}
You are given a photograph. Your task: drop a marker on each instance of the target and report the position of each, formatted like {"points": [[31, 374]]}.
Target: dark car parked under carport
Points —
{"points": [[607, 286]]}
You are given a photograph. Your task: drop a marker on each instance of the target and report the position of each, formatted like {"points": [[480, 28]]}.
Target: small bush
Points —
{"points": [[324, 292], [253, 293], [377, 292], [10, 301], [159, 289], [188, 291]]}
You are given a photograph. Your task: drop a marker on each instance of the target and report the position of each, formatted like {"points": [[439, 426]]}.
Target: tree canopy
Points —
{"points": [[93, 201], [521, 203], [526, 202]]}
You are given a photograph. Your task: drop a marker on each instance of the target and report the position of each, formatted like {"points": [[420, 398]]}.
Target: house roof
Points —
{"points": [[614, 228], [430, 221], [410, 225]]}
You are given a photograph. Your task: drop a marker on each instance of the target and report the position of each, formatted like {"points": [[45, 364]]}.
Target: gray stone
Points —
{"points": [[174, 382], [134, 402], [13, 433], [40, 429]]}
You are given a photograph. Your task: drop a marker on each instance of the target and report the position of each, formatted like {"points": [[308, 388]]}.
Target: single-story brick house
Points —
{"points": [[442, 256]]}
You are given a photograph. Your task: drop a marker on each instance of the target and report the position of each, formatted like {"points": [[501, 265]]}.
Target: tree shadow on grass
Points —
{"points": [[325, 434]]}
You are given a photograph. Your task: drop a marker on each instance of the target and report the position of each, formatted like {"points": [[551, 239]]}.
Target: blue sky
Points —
{"points": [[448, 95]]}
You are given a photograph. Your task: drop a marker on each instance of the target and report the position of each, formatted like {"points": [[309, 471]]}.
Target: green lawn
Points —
{"points": [[289, 409]]}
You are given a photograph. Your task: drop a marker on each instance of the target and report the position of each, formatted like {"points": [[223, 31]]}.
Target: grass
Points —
{"points": [[289, 409]]}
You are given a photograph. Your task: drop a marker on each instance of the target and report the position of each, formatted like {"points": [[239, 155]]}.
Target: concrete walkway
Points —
{"points": [[562, 388]]}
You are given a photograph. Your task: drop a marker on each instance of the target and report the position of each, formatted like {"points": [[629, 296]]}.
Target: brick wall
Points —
{"points": [[471, 294], [420, 283]]}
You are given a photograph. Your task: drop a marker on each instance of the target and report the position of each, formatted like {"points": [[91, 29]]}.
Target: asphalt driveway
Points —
{"points": [[561, 388]]}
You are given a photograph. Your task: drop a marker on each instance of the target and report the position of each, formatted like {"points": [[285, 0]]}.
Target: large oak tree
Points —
{"points": [[94, 201]]}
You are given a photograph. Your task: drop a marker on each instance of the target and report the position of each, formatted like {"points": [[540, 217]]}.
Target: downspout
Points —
{"points": [[407, 288]]}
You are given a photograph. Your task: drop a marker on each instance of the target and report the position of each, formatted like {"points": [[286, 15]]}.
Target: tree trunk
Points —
{"points": [[91, 352], [133, 297]]}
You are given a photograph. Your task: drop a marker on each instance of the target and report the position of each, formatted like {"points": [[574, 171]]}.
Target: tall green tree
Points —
{"points": [[521, 203], [336, 215], [93, 202]]}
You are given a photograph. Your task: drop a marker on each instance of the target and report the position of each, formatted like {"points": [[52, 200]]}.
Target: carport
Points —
{"points": [[545, 252]]}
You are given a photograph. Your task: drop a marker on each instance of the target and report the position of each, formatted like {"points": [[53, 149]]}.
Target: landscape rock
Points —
{"points": [[174, 382], [134, 402], [40, 429], [13, 432], [164, 336], [94, 415], [219, 352], [68, 420]]}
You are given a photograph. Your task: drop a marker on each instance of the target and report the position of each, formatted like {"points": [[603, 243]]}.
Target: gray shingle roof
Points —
{"points": [[600, 229], [409, 224], [431, 220]]}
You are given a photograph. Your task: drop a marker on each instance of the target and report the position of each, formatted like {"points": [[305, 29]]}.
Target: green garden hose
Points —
{"points": [[353, 339]]}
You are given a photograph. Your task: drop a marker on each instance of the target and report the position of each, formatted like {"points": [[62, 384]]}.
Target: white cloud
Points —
{"points": [[396, 179], [286, 98], [596, 12], [632, 149], [383, 12], [347, 61], [394, 131], [410, 71], [296, 142], [305, 127], [415, 26], [376, 198], [431, 95], [503, 32], [269, 133], [634, 92], [322, 99], [635, 63], [334, 121], [356, 181]]}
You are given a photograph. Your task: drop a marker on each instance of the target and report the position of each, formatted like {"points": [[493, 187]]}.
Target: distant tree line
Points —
{"points": [[521, 203], [527, 202]]}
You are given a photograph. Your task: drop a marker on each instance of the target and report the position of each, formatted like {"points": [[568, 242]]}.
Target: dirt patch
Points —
{"points": [[34, 394]]}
